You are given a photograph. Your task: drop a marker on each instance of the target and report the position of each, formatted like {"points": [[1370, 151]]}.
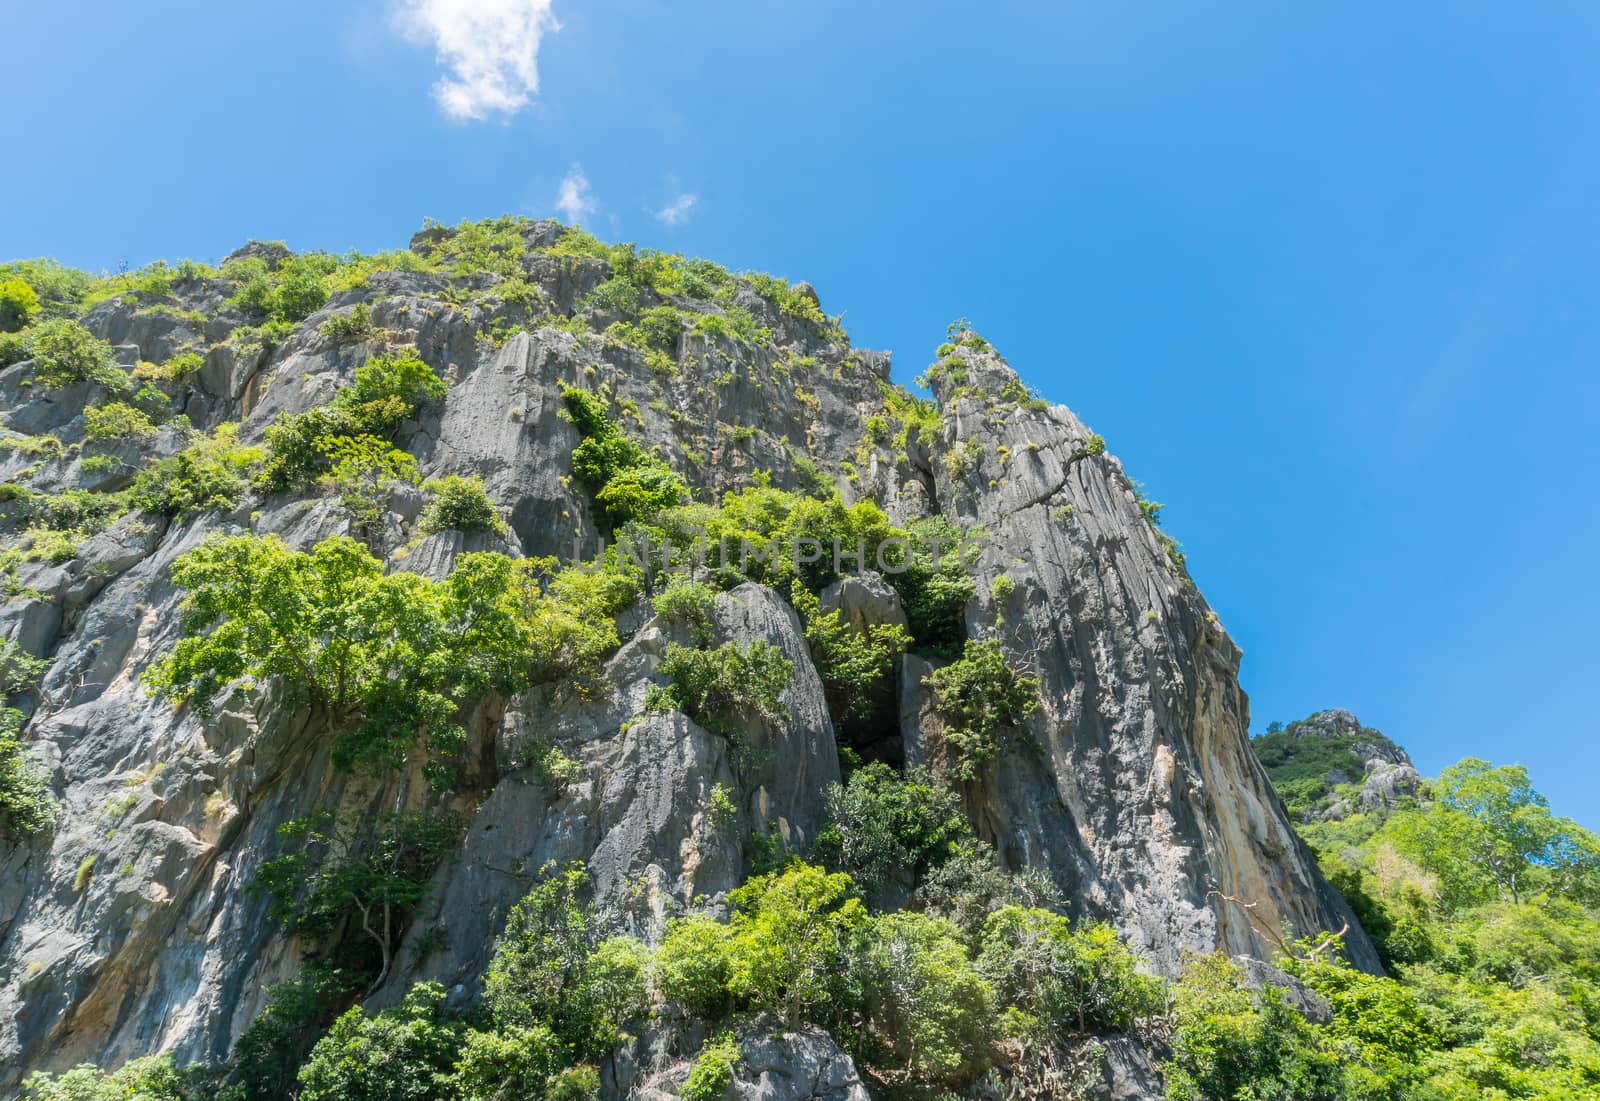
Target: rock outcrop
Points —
{"points": [[128, 928]]}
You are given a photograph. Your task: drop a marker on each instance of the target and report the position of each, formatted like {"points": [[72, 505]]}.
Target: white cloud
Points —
{"points": [[574, 200], [677, 211], [490, 47]]}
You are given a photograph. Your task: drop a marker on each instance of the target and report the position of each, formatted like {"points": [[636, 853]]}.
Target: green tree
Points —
{"points": [[790, 937], [852, 663], [153, 1078], [929, 1013], [376, 873], [1489, 834], [389, 660], [407, 1053], [1079, 981], [516, 1061], [691, 966], [713, 687], [1227, 1046], [884, 829], [551, 969]]}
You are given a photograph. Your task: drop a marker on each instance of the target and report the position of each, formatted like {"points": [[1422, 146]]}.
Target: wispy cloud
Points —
{"points": [[677, 211], [490, 47], [575, 200]]}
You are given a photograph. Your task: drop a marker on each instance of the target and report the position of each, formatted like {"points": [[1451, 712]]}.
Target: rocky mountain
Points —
{"points": [[129, 926], [1328, 766]]}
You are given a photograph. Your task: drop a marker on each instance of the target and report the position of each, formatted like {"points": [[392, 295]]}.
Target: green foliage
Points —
{"points": [[712, 1071], [153, 1078], [364, 470], [716, 687], [851, 662], [1083, 981], [64, 352], [885, 830], [927, 1008], [980, 698], [26, 807], [459, 504], [935, 587], [792, 301], [116, 421], [1227, 1046], [512, 1062], [389, 659], [790, 937], [59, 289], [406, 1053], [691, 966], [267, 1057], [211, 473], [1488, 834], [347, 328], [371, 874], [18, 304], [691, 603], [551, 969], [385, 392], [628, 483]]}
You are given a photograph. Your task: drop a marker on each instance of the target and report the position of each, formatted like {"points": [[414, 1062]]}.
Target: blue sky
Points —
{"points": [[1325, 279]]}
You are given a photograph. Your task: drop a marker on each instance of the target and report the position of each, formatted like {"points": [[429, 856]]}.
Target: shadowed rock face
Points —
{"points": [[1134, 788]]}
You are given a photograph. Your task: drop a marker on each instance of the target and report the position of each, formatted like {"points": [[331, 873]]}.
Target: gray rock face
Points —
{"points": [[775, 1064], [128, 928]]}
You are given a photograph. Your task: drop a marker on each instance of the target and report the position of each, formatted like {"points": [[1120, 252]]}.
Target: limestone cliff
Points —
{"points": [[127, 928]]}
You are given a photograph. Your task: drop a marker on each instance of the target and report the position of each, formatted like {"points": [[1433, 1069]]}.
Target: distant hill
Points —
{"points": [[1329, 765]]}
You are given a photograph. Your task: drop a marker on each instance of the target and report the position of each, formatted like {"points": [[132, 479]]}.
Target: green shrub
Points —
{"points": [[885, 829], [459, 504], [551, 969], [13, 348], [1228, 1046], [512, 1062], [26, 807], [691, 966], [18, 304], [980, 698], [935, 587], [347, 328], [928, 1011], [64, 352], [60, 289], [400, 1054], [713, 687], [712, 1071], [628, 483], [1077, 981], [791, 937], [385, 392], [851, 663], [268, 1055], [691, 603], [116, 421], [364, 470], [213, 473], [153, 1078]]}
